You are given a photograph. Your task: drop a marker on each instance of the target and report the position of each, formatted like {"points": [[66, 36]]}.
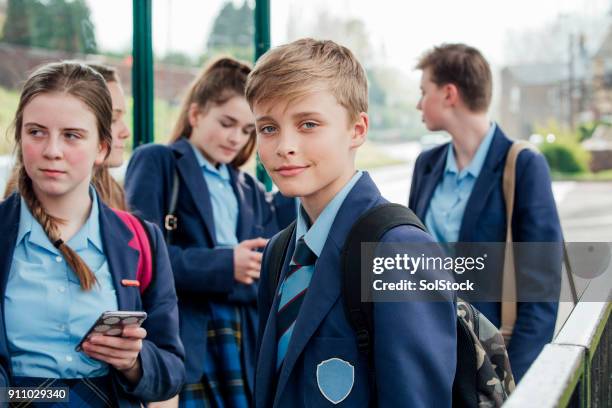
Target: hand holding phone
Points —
{"points": [[112, 324]]}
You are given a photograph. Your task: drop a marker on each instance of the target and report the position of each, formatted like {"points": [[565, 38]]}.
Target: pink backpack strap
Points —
{"points": [[142, 244]]}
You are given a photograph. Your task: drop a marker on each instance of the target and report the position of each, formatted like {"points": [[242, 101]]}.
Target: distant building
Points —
{"points": [[16, 63], [533, 94], [602, 79]]}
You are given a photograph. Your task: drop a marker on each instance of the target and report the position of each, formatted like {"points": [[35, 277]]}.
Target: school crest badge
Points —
{"points": [[335, 378]]}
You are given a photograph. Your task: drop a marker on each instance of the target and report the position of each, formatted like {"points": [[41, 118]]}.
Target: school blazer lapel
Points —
{"points": [[489, 177], [191, 174], [326, 284], [322, 294], [9, 214], [430, 179], [121, 257]]}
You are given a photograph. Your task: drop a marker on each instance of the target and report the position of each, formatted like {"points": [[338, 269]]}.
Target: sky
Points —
{"points": [[404, 29]]}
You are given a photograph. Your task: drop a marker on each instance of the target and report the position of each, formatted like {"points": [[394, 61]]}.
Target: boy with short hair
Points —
{"points": [[310, 101], [457, 191]]}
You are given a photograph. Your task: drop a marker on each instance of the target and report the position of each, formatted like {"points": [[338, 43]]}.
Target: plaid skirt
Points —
{"points": [[223, 384], [94, 392]]}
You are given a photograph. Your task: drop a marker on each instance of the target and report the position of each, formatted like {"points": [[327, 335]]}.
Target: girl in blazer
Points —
{"points": [[221, 220], [66, 258]]}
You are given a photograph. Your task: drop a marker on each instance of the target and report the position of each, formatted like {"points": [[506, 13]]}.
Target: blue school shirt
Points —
{"points": [[447, 205], [316, 235], [223, 200], [46, 311]]}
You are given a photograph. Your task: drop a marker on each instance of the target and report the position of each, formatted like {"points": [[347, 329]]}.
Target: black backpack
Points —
{"points": [[483, 377]]}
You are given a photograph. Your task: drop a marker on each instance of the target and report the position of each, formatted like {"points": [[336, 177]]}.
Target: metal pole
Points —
{"points": [[570, 84], [262, 44], [142, 72]]}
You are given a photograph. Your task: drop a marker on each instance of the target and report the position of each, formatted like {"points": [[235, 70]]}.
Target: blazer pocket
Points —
{"points": [[336, 375]]}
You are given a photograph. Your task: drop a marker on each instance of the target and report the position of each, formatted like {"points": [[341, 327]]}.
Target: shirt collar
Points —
{"points": [[89, 232], [207, 166], [316, 235], [477, 161]]}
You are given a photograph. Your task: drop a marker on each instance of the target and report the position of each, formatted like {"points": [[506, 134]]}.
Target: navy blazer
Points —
{"points": [[414, 342], [534, 219], [162, 353], [201, 271]]}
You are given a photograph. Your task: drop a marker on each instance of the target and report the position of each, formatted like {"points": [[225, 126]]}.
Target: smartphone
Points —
{"points": [[112, 324]]}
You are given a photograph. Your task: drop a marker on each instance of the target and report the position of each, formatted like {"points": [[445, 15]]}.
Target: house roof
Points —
{"points": [[546, 73]]}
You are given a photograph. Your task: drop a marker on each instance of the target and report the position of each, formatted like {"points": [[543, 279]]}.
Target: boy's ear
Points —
{"points": [[192, 114], [451, 94], [360, 130]]}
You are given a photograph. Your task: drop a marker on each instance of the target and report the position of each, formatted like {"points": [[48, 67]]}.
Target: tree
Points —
{"points": [[17, 29], [232, 32], [350, 32], [54, 24]]}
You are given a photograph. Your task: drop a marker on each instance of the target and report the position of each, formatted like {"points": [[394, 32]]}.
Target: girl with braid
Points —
{"points": [[65, 257], [106, 186]]}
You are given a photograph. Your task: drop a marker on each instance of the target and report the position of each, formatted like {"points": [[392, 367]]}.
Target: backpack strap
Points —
{"points": [[170, 220], [143, 243], [509, 289], [369, 227], [278, 249], [509, 307]]}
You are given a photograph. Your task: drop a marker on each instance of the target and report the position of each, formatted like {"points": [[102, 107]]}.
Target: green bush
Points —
{"points": [[564, 153], [565, 157]]}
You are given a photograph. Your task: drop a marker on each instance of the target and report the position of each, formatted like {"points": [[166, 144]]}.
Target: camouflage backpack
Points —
{"points": [[480, 346], [483, 377]]}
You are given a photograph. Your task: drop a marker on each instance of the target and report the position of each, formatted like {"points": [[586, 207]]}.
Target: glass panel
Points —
{"points": [[186, 35], [33, 32]]}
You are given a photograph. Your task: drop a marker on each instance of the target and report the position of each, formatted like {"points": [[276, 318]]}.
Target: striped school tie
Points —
{"points": [[293, 291]]}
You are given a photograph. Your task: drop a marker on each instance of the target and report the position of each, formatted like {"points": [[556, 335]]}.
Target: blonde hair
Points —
{"points": [[85, 84], [12, 185], [220, 81], [108, 189], [304, 66]]}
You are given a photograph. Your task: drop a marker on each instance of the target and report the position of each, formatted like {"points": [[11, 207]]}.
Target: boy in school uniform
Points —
{"points": [[457, 190], [310, 102]]}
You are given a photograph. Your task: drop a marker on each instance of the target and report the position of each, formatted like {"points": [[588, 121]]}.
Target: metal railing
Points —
{"points": [[575, 370]]}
